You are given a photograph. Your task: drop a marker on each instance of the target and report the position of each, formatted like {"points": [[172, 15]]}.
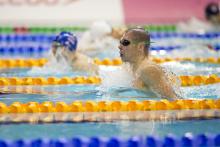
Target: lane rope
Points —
{"points": [[186, 80], [27, 63], [109, 106]]}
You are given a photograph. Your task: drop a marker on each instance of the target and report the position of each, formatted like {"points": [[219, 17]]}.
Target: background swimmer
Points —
{"points": [[64, 48], [134, 49], [212, 13], [212, 23], [101, 36]]}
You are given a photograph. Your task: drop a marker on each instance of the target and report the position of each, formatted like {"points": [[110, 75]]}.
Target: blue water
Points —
{"points": [[179, 68], [69, 93], [122, 129]]}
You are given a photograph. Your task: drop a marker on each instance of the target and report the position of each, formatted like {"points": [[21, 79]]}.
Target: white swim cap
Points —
{"points": [[100, 28]]}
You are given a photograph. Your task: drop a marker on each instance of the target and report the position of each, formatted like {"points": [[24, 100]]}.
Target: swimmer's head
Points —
{"points": [[64, 46], [212, 12], [134, 43], [67, 40]]}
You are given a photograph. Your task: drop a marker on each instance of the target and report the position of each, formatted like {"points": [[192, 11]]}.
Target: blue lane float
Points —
{"points": [[27, 38], [20, 50], [159, 35], [170, 48], [19, 44], [35, 49], [201, 140], [50, 37]]}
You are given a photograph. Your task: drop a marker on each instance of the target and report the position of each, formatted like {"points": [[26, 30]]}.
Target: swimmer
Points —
{"points": [[195, 25], [212, 13], [64, 46], [134, 49], [100, 36]]}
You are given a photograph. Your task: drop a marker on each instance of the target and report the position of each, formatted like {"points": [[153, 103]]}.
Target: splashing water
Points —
{"points": [[114, 77], [97, 39], [174, 81], [56, 64], [194, 25], [211, 91], [122, 78]]}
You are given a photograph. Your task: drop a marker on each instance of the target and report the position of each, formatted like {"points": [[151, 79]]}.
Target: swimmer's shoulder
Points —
{"points": [[151, 68]]}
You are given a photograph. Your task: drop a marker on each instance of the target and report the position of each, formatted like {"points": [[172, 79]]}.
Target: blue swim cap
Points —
{"points": [[67, 40]]}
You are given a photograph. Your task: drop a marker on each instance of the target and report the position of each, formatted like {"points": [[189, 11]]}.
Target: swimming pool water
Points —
{"points": [[122, 129], [125, 129], [69, 93]]}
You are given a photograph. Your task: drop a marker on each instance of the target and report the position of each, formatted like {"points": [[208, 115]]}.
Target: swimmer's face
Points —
{"points": [[128, 50], [59, 52]]}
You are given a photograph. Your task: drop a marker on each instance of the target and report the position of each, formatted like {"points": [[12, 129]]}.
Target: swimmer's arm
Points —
{"points": [[155, 78], [84, 63]]}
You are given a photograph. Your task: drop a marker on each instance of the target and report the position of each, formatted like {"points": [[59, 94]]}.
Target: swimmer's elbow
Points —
{"points": [[174, 96], [170, 98]]}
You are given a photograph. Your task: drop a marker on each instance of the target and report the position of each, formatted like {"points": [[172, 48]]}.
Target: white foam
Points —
{"points": [[113, 77], [204, 91], [196, 25], [97, 39], [120, 76], [100, 28], [193, 25], [52, 66]]}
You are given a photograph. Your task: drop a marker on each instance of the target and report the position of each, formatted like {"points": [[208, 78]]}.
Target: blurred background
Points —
{"points": [[184, 32], [84, 12]]}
